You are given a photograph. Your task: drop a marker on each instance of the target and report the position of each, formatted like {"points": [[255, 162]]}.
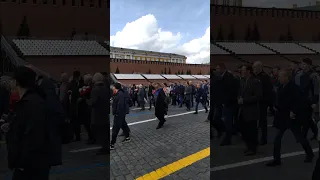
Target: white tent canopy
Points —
{"points": [[170, 76], [128, 76], [200, 76], [187, 77], [153, 76]]}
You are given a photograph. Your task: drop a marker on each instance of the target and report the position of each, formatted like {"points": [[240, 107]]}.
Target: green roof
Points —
{"points": [[309, 8]]}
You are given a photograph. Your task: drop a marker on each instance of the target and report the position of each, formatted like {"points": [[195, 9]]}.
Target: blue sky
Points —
{"points": [[189, 17]]}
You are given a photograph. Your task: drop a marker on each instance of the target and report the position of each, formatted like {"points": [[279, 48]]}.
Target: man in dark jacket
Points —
{"points": [[119, 110], [289, 113], [74, 86], [160, 111], [187, 95], [249, 96], [27, 134], [229, 93], [150, 95], [265, 101], [215, 113], [200, 97], [309, 85], [56, 117]]}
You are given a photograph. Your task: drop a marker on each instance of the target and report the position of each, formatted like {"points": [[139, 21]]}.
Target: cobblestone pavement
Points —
{"points": [[151, 149], [253, 168]]}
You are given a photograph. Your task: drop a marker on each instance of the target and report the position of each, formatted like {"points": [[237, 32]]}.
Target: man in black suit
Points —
{"points": [[229, 93], [249, 95], [289, 114], [160, 103], [265, 101]]}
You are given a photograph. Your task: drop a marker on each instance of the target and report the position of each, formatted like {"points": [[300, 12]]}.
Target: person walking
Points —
{"points": [[160, 107], [289, 114], [99, 102], [120, 108], [200, 98]]}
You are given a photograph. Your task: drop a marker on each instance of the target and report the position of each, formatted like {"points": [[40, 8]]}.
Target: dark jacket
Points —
{"points": [[150, 89], [119, 104], [141, 95], [251, 92], [229, 91], [56, 118], [200, 95], [100, 103], [288, 100], [4, 100], [268, 94], [160, 103], [27, 139], [309, 85], [216, 90], [188, 93]]}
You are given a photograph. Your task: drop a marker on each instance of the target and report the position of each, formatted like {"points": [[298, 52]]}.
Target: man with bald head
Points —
{"points": [[266, 99]]}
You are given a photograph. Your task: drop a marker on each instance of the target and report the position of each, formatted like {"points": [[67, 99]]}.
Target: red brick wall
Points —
{"points": [[270, 28], [48, 20], [55, 65], [130, 66]]}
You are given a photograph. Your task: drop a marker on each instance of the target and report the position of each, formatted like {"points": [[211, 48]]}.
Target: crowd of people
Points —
{"points": [[240, 104], [179, 94], [38, 115], [157, 95]]}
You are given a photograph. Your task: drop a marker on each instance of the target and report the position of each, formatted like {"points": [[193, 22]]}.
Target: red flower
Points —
{"points": [[85, 90]]}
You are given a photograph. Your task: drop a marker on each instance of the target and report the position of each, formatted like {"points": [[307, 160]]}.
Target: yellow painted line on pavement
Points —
{"points": [[176, 166]]}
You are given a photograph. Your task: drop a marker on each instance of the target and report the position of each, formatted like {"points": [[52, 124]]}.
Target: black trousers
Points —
{"points": [[161, 118], [309, 124], [263, 123], [250, 134], [151, 101], [216, 121], [295, 128], [316, 171], [119, 122], [41, 173], [174, 100], [76, 122]]}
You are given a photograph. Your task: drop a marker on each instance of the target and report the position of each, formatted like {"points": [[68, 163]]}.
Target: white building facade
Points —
{"points": [[133, 54]]}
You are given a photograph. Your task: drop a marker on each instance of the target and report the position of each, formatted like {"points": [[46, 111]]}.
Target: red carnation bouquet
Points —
{"points": [[85, 90]]}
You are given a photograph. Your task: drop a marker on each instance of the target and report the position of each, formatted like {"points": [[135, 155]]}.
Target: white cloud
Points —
{"points": [[145, 34]]}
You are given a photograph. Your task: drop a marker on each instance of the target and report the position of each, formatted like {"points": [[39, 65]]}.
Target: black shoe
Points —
{"points": [[195, 113], [159, 126], [111, 147], [126, 140], [309, 158], [206, 110], [273, 163]]}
